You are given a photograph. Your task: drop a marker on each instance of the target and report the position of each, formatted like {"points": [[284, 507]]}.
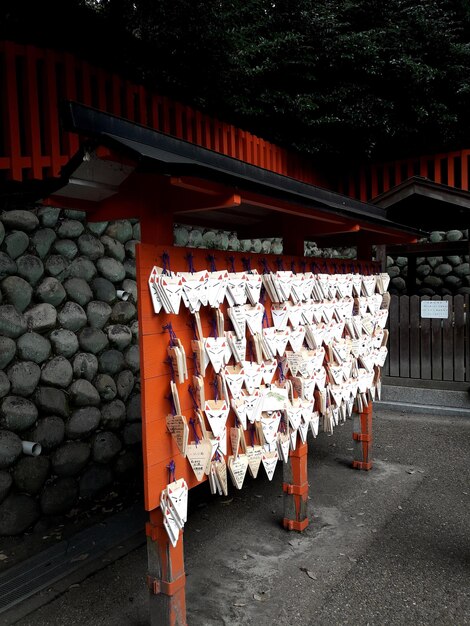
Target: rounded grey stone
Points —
{"points": [[57, 372], [111, 362], [452, 282], [59, 496], [454, 260], [436, 236], [48, 216], [24, 377], [66, 248], [135, 329], [106, 387], [401, 261], [15, 244], [136, 231], [433, 282], [105, 446], [64, 342], [443, 291], [113, 414], [7, 350], [390, 262], [82, 422], [126, 466], [120, 230], [49, 432], [85, 365], [111, 269], [123, 312], [30, 473], [97, 228], [51, 291], [94, 480], [113, 248], [133, 410], [50, 400], [433, 261], [83, 393], [41, 318], [70, 229], [4, 384], [81, 267], [90, 246], [119, 336], [464, 290], [129, 268], [42, 241], [462, 270], [6, 482], [2, 233], [78, 290], [125, 384], [393, 271], [454, 235], [132, 434], [17, 292], [443, 269], [73, 214], [17, 413], [30, 268], [103, 290], [398, 283], [10, 448], [423, 270], [7, 265], [130, 248], [56, 265], [19, 220], [98, 313], [92, 340], [70, 458], [132, 358], [72, 316], [130, 286], [17, 513]]}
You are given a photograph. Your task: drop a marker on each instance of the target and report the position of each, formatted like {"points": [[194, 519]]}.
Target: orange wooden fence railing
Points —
{"points": [[370, 181], [33, 145]]}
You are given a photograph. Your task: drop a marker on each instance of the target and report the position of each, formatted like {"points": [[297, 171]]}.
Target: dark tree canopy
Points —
{"points": [[340, 80]]}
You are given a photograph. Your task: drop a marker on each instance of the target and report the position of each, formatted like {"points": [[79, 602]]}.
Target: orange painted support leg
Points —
{"points": [[295, 487], [362, 436], [166, 578]]}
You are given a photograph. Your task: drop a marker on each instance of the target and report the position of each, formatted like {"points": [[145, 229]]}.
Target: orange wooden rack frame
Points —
{"points": [[166, 576]]}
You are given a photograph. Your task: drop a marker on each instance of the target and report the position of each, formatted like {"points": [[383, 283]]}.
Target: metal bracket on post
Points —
{"points": [[295, 488], [362, 438]]}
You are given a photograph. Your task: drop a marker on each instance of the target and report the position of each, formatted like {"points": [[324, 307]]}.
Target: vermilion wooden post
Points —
{"points": [[166, 577], [362, 439], [295, 488]]}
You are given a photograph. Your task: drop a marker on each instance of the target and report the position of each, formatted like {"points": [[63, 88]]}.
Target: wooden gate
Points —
{"points": [[428, 349]]}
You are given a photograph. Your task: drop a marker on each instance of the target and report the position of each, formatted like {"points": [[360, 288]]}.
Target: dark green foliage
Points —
{"points": [[338, 79]]}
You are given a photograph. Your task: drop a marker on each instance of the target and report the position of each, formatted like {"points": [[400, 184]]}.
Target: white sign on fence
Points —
{"points": [[437, 309]]}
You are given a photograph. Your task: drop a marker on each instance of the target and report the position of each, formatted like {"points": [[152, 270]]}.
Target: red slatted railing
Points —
{"points": [[368, 182], [33, 145]]}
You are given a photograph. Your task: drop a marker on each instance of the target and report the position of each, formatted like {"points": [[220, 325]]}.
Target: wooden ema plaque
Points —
{"points": [[159, 447]]}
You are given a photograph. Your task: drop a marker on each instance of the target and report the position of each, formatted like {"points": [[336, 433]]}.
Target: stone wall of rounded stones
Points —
{"points": [[436, 275], [69, 362], [225, 240]]}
